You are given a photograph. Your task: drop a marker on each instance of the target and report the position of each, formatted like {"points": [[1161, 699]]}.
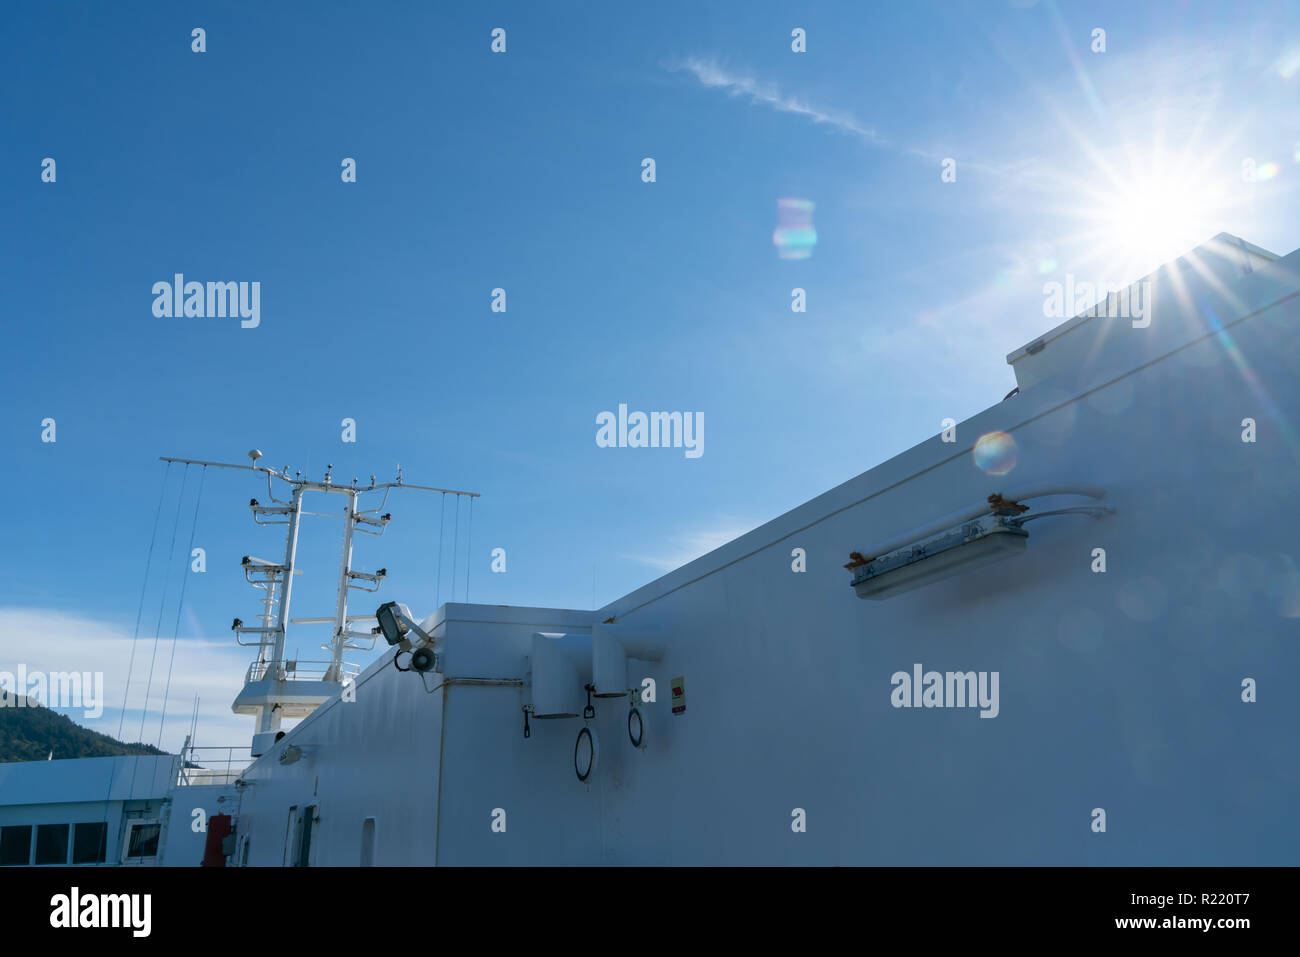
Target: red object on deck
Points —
{"points": [[218, 830]]}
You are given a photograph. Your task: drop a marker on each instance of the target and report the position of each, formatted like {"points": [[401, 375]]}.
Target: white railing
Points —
{"points": [[293, 670], [212, 765]]}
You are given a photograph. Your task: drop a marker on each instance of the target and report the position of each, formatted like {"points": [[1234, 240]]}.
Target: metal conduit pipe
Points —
{"points": [[506, 682]]}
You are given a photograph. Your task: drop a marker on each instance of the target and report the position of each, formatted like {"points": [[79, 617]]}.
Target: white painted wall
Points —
{"points": [[183, 846], [379, 757], [1119, 691]]}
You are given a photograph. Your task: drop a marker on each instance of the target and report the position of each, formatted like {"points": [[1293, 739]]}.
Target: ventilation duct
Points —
{"points": [[611, 646], [561, 666]]}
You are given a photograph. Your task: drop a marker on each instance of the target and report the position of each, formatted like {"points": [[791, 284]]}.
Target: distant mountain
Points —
{"points": [[30, 731]]}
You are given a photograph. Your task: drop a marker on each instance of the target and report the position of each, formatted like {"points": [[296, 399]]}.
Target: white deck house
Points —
{"points": [[87, 811], [135, 811]]}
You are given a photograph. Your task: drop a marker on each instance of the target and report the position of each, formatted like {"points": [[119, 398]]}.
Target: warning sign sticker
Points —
{"points": [[679, 696]]}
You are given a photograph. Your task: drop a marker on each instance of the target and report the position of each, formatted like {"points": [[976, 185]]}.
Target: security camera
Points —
{"points": [[395, 622]]}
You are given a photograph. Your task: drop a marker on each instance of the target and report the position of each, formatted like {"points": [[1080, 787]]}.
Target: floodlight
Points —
{"points": [[395, 621]]}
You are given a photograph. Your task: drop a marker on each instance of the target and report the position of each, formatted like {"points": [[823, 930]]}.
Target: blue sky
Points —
{"points": [[522, 171]]}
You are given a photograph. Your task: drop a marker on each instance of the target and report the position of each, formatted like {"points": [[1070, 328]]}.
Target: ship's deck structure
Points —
{"points": [[910, 668]]}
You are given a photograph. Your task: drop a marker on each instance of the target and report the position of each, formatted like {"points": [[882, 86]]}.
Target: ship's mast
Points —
{"points": [[276, 687]]}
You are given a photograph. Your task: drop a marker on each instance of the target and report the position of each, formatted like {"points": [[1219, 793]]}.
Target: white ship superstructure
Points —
{"points": [[910, 668]]}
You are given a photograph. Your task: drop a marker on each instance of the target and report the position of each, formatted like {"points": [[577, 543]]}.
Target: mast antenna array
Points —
{"points": [[276, 687]]}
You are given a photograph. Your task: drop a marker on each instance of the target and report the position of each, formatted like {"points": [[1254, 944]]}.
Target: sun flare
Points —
{"points": [[1156, 221], [1154, 217]]}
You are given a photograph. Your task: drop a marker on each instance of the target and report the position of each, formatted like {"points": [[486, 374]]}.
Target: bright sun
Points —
{"points": [[1148, 216], [1157, 221]]}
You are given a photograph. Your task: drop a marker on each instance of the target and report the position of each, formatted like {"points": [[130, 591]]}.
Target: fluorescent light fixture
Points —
{"points": [[943, 555]]}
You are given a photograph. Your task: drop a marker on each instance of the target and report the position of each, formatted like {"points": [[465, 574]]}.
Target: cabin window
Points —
{"points": [[141, 840], [52, 844], [89, 842], [368, 842], [15, 845]]}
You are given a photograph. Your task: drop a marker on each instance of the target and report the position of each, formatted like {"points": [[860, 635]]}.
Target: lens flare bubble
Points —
{"points": [[1143, 599], [995, 453], [794, 236], [1288, 64], [1284, 586]]}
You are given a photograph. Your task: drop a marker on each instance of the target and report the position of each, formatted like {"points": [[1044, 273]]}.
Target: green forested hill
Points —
{"points": [[30, 732]]}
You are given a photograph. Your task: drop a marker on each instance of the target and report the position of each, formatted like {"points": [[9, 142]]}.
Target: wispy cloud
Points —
{"points": [[714, 76], [688, 546]]}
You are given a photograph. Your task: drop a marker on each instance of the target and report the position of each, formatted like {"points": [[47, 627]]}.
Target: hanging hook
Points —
{"points": [[589, 712], [527, 731]]}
